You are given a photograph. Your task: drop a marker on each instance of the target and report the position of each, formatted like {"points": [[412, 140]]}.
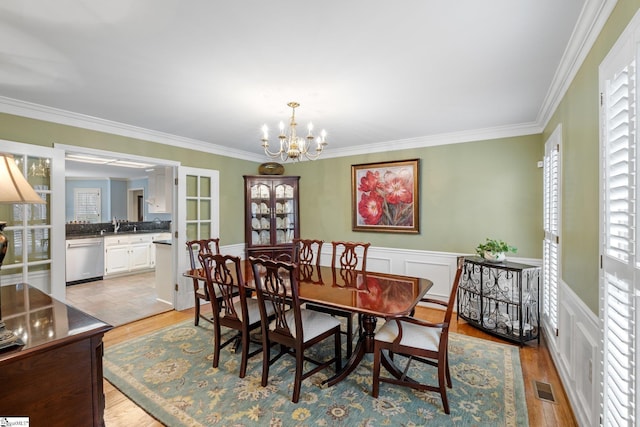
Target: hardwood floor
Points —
{"points": [[535, 360]]}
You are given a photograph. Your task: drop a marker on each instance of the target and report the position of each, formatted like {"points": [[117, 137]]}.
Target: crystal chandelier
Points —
{"points": [[292, 146]]}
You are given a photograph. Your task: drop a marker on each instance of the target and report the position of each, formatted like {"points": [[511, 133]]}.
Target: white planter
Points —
{"points": [[494, 256]]}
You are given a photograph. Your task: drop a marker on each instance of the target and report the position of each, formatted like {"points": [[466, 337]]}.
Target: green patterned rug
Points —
{"points": [[168, 373]]}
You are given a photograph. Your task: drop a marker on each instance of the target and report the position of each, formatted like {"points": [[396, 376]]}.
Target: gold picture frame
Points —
{"points": [[385, 196]]}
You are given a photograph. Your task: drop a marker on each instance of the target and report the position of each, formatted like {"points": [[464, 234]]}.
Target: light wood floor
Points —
{"points": [[535, 360]]}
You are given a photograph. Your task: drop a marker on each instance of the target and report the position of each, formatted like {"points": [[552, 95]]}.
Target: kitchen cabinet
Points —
{"points": [[127, 253], [271, 214], [160, 190]]}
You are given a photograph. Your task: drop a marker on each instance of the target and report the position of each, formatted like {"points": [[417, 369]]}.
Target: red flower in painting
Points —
{"points": [[397, 189], [370, 208], [369, 182]]}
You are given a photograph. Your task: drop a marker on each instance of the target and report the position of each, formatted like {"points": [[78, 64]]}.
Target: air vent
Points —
{"points": [[544, 391]]}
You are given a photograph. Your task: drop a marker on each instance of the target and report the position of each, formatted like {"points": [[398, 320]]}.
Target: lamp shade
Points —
{"points": [[14, 188]]}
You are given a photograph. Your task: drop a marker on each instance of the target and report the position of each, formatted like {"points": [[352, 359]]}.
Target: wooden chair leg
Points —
{"points": [[245, 353], [298, 379], [216, 344], [266, 353], [197, 307], [338, 352], [442, 367]]}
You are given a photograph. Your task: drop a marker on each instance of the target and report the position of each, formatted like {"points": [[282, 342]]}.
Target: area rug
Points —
{"points": [[168, 373]]}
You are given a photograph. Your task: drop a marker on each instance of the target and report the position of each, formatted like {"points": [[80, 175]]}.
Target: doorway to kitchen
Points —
{"points": [[129, 226]]}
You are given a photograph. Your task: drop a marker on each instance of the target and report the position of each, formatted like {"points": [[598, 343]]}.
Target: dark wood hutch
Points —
{"points": [[272, 214]]}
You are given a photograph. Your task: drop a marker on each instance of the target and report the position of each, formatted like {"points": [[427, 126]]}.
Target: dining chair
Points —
{"points": [[194, 248], [232, 309], [419, 340], [346, 259], [306, 254], [294, 328]]}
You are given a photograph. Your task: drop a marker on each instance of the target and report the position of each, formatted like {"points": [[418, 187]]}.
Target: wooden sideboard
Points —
{"points": [[55, 379]]}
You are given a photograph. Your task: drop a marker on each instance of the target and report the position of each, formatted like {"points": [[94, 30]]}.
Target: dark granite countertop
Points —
{"points": [[111, 233]]}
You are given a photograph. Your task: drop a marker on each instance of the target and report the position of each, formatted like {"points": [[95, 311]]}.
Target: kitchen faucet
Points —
{"points": [[116, 225]]}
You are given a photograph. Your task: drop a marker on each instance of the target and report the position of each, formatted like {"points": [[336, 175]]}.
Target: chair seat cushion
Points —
{"points": [[253, 310], [415, 336], [313, 323]]}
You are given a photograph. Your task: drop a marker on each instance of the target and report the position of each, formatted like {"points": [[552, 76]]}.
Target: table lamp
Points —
{"points": [[14, 188]]}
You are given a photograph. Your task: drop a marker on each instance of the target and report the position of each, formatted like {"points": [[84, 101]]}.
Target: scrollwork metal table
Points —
{"points": [[501, 298]]}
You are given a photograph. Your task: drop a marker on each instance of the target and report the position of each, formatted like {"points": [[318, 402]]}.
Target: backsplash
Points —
{"points": [[96, 228]]}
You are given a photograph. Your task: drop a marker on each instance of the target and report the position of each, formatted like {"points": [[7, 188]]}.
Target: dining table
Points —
{"points": [[370, 295]]}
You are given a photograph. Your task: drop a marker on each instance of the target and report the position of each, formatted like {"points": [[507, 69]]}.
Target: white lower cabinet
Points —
{"points": [[123, 254]]}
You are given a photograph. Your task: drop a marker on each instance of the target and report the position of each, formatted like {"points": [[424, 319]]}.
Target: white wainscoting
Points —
{"points": [[575, 352]]}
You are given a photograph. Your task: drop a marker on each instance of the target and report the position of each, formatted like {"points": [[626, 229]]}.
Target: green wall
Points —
{"points": [[578, 112], [468, 192]]}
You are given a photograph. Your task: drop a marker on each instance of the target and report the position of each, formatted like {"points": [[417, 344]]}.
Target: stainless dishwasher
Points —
{"points": [[85, 260]]}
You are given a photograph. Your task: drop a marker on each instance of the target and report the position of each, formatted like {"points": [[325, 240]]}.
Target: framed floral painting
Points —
{"points": [[385, 196]]}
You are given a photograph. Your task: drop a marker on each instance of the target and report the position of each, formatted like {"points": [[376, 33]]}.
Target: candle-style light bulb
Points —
{"points": [[265, 132], [310, 127], [281, 127], [323, 134]]}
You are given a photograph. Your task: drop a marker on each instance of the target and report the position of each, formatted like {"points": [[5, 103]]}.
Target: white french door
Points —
{"points": [[36, 232], [198, 217]]}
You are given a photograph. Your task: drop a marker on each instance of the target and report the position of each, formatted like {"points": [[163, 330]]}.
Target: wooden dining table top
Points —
{"points": [[376, 294]]}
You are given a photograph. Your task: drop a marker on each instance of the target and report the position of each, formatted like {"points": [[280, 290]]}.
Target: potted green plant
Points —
{"points": [[494, 250]]}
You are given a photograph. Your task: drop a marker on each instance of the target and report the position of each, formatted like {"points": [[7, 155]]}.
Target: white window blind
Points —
{"points": [[551, 217], [619, 282], [86, 204]]}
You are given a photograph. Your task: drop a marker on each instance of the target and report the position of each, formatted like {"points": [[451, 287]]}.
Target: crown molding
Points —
{"points": [[592, 19], [440, 139], [55, 115]]}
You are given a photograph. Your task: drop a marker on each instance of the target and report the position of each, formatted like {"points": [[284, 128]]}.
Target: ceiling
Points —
{"points": [[373, 73]]}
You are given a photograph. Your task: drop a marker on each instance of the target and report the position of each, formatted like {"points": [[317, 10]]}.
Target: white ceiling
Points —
{"points": [[211, 73]]}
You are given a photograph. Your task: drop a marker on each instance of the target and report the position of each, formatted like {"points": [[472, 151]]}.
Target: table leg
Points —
{"points": [[363, 346]]}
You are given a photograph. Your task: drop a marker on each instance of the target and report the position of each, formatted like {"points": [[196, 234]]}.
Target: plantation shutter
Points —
{"points": [[619, 274], [551, 252]]}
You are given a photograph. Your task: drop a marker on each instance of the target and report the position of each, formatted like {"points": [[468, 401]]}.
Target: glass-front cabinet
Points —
{"points": [[271, 214]]}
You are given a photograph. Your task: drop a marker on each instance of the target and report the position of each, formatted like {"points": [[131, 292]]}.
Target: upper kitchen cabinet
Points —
{"points": [[271, 214], [160, 190]]}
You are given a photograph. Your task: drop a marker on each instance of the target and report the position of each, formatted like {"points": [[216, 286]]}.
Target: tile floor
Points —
{"points": [[118, 300]]}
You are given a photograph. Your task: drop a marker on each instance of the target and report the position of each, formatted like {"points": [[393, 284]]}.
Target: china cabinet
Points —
{"points": [[271, 214], [501, 298]]}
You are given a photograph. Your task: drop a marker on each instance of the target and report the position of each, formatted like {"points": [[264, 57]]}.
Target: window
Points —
{"points": [[619, 275], [551, 243], [86, 204]]}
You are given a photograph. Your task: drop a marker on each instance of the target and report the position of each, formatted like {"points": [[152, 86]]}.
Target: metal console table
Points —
{"points": [[501, 298]]}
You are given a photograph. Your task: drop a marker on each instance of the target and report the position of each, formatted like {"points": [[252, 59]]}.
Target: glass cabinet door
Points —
{"points": [[285, 214], [260, 214]]}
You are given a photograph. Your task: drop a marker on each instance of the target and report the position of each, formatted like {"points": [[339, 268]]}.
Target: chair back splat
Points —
{"points": [[293, 327], [349, 255], [420, 341]]}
